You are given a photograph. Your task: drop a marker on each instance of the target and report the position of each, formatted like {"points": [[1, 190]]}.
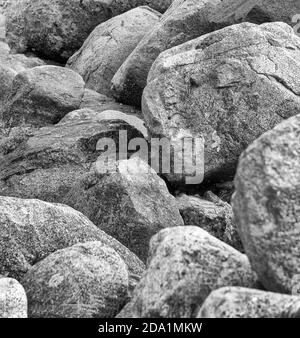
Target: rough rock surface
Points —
{"points": [[13, 300], [183, 21], [268, 10], [228, 88], [235, 302], [130, 203], [99, 103], [267, 206], [211, 214], [32, 229], [108, 46], [83, 281], [6, 79], [185, 265], [42, 95], [48, 164], [118, 6], [57, 29]]}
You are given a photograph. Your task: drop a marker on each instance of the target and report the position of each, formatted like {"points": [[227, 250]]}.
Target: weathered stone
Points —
{"points": [[226, 88], [210, 214], [235, 302], [32, 229], [57, 29], [118, 6], [183, 21], [267, 206], [48, 164], [109, 45], [13, 300], [130, 203], [99, 103], [185, 265], [42, 95], [83, 281], [6, 79], [89, 115]]}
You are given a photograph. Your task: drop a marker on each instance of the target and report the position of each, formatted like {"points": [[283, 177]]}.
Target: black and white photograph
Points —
{"points": [[149, 164]]}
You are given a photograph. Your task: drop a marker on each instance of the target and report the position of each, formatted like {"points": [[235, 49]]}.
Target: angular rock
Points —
{"points": [[185, 265], [267, 206], [42, 95], [57, 29], [130, 203], [235, 302], [31, 230], [184, 20], [83, 281], [211, 214], [13, 300], [226, 88], [48, 163], [108, 46]]}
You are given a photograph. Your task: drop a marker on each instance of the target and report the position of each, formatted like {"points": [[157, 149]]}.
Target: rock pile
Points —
{"points": [[106, 107]]}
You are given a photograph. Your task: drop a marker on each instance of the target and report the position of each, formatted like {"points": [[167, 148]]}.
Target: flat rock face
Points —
{"points": [[108, 46], [185, 264], [235, 302], [267, 206], [42, 95], [212, 215], [47, 163], [226, 88], [84, 281], [131, 203], [13, 299], [183, 21], [32, 229]]}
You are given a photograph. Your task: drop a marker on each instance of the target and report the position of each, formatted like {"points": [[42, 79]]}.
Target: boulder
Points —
{"points": [[211, 214], [236, 302], [83, 281], [42, 95], [130, 203], [32, 229], [13, 300], [267, 206], [108, 46], [183, 21], [48, 162], [57, 29], [185, 265], [225, 88]]}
